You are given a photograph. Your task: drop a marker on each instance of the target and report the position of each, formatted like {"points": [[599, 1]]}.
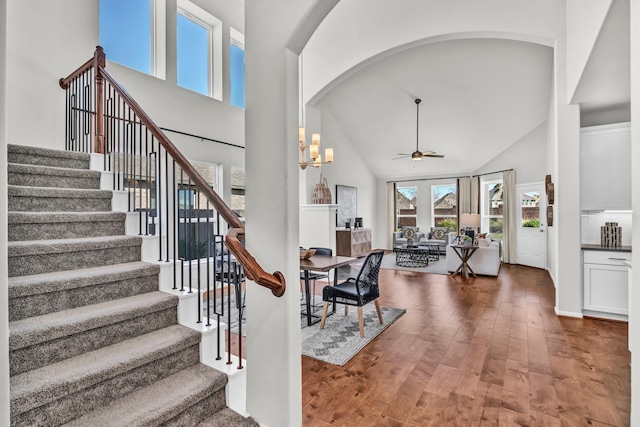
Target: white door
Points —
{"points": [[531, 246]]}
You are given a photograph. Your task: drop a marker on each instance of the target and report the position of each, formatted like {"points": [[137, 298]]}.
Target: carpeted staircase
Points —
{"points": [[92, 340]]}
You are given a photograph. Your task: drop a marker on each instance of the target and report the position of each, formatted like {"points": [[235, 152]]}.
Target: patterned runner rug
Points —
{"points": [[340, 340]]}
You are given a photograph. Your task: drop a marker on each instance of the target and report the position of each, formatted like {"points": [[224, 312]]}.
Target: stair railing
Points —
{"points": [[194, 227]]}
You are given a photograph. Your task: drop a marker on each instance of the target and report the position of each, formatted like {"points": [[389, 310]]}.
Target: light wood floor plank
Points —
{"points": [[484, 352]]}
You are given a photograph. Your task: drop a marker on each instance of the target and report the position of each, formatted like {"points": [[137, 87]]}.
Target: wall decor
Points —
{"points": [[547, 180], [549, 216], [347, 199], [550, 193]]}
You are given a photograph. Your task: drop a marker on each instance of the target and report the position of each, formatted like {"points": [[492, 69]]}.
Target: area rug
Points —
{"points": [[340, 340]]}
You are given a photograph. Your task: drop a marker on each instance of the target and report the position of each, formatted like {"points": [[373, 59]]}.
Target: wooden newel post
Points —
{"points": [[98, 63]]}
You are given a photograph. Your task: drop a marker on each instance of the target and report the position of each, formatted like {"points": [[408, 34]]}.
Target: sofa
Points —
{"points": [[486, 260]]}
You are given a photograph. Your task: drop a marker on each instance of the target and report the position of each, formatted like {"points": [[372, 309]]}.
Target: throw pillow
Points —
{"points": [[438, 233], [423, 239], [409, 233], [481, 235]]}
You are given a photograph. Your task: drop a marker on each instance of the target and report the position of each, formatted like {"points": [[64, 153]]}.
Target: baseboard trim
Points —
{"points": [[567, 313]]}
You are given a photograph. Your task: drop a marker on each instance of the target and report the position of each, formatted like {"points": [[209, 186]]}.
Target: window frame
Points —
{"points": [[415, 215], [486, 215], [433, 204], [214, 26], [236, 39], [158, 44]]}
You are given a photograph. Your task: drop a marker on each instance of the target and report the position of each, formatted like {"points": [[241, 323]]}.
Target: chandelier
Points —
{"points": [[315, 158]]}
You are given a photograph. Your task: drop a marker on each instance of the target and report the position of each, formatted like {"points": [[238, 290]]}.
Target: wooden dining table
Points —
{"points": [[322, 263]]}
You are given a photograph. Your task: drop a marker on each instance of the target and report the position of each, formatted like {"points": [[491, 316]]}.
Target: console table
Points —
{"points": [[354, 242]]}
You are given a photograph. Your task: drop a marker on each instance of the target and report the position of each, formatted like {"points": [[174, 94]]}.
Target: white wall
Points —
{"points": [[45, 41], [70, 28], [634, 308], [565, 232], [274, 382], [527, 156], [584, 21], [4, 291], [376, 27], [348, 168], [592, 221]]}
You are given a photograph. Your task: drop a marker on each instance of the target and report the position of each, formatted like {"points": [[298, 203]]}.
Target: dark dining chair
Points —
{"points": [[357, 292], [317, 275]]}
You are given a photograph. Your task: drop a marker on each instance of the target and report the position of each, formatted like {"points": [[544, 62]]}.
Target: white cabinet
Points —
{"points": [[606, 284], [605, 167]]}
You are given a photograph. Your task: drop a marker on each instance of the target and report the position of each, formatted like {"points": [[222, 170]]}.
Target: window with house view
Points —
{"points": [[445, 206], [530, 209], [492, 208], [406, 207]]}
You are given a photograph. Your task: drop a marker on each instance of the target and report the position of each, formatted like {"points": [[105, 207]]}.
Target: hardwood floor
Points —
{"points": [[488, 351]]}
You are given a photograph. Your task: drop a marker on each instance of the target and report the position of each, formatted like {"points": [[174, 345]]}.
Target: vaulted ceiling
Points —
{"points": [[479, 96]]}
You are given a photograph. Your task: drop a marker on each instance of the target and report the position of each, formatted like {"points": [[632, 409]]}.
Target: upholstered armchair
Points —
{"points": [[400, 237], [440, 235]]}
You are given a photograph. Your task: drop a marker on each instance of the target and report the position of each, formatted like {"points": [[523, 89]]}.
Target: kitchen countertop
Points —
{"points": [[596, 247]]}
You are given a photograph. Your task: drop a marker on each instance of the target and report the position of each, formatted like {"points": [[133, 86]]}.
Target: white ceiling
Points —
{"points": [[479, 96]]}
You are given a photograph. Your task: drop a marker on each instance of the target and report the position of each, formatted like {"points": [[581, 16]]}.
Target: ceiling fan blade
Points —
{"points": [[402, 157], [439, 156]]}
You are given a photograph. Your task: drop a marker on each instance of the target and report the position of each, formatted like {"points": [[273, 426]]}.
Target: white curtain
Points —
{"points": [[509, 215], [474, 207], [464, 196], [391, 213]]}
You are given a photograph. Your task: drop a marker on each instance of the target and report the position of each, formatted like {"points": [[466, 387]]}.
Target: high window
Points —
{"points": [[132, 34], [492, 208], [193, 55], [445, 206], [406, 207], [198, 46], [236, 68]]}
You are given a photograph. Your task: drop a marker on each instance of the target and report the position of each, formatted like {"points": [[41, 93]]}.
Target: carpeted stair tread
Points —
{"points": [[35, 330], [49, 176], [45, 256], [227, 418], [21, 286], [47, 157], [67, 193], [63, 217], [64, 225], [39, 247], [43, 385], [52, 199], [159, 402]]}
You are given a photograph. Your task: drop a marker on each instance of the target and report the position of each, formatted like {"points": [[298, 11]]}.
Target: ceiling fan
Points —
{"points": [[418, 155]]}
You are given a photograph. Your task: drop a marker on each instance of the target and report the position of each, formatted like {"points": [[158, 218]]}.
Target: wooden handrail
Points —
{"points": [[275, 282]]}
